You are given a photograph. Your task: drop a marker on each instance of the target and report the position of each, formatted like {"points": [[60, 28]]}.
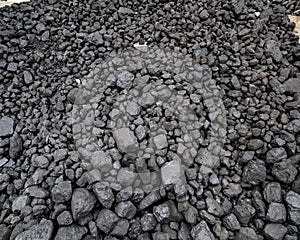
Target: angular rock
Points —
{"points": [[82, 203], [95, 38], [27, 76], [238, 6], [19, 203], [5, 232], [255, 144], [191, 214], [205, 158], [125, 139], [125, 80], [243, 213], [272, 192], [62, 192], [246, 233], [275, 231], [37, 192], [272, 47], [293, 201], [140, 132], [148, 222], [172, 173], [161, 212], [293, 126], [126, 177], [40, 161], [214, 207], [72, 232], [106, 220], [160, 236], [276, 213], [15, 146], [255, 172], [41, 231], [126, 209], [64, 219], [284, 171], [231, 222], [275, 155], [125, 10], [293, 85], [160, 141], [6, 126], [150, 199], [121, 228], [202, 232], [102, 161], [133, 108], [104, 195], [12, 67], [204, 15]]}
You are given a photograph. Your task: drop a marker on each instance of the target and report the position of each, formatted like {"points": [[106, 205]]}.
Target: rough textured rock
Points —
{"points": [[62, 192], [82, 203], [15, 146], [70, 232], [276, 213], [102, 161], [202, 232], [106, 220], [246, 233], [104, 195], [41, 231], [125, 139], [275, 231], [172, 173], [255, 172], [125, 79], [4, 232], [293, 201], [126, 209], [6, 126], [20, 202], [272, 192]]}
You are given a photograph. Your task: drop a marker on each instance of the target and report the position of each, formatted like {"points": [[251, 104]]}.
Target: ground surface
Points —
{"points": [[149, 120]]}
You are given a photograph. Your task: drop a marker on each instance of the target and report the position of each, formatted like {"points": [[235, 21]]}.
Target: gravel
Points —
{"points": [[149, 120]]}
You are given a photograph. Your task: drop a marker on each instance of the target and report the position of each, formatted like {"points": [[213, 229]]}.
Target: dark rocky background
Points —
{"points": [[254, 193]]}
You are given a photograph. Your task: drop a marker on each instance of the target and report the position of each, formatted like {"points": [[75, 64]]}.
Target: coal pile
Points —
{"points": [[149, 120]]}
